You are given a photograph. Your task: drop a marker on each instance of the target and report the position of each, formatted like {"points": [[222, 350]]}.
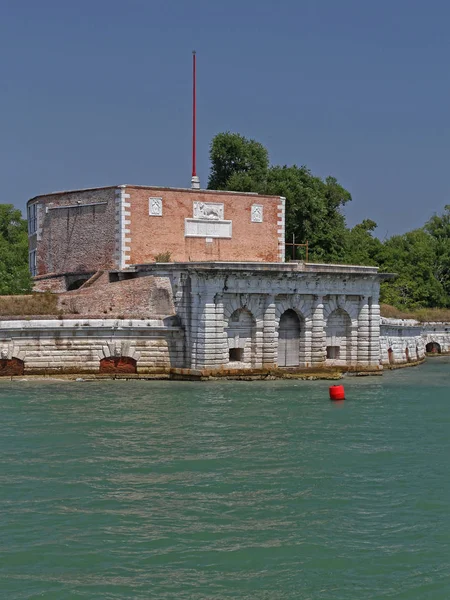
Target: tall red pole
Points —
{"points": [[194, 117]]}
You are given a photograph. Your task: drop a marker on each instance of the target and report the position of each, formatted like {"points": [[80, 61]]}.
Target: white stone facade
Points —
{"points": [[236, 318]]}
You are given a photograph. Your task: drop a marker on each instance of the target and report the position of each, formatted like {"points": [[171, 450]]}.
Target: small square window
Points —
{"points": [[333, 352], [236, 354]]}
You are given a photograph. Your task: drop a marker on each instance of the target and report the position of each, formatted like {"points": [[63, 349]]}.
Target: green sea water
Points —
{"points": [[261, 490]]}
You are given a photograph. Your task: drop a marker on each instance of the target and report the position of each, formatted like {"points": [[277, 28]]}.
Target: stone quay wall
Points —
{"points": [[49, 347]]}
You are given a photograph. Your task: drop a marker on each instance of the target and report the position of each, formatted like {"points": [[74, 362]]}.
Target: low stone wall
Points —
{"points": [[401, 342], [436, 337], [79, 345]]}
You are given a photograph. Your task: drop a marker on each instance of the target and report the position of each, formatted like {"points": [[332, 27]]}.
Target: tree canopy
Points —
{"points": [[14, 273]]}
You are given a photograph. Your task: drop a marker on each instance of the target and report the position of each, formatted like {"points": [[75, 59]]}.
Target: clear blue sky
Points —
{"points": [[99, 93]]}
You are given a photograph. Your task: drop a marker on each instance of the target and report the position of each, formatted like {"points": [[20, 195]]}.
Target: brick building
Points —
{"points": [[83, 231]]}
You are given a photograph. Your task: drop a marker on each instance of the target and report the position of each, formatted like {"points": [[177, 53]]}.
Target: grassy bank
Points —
{"points": [[420, 314]]}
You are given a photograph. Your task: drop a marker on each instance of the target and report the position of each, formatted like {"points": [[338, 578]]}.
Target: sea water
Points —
{"points": [[249, 490]]}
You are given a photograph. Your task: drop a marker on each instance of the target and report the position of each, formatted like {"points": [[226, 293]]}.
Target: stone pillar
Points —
{"points": [[269, 357], [318, 333], [374, 345], [204, 343], [364, 331]]}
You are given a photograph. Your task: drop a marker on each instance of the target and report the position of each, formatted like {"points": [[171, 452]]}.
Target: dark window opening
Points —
{"points": [[333, 352], [236, 354]]}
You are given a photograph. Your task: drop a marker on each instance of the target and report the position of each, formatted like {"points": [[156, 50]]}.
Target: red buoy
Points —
{"points": [[337, 392]]}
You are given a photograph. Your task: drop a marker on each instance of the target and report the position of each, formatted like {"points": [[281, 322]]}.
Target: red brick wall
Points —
{"points": [[80, 238], [151, 235]]}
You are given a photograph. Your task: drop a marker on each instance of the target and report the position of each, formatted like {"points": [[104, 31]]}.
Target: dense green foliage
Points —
{"points": [[421, 258], [14, 273]]}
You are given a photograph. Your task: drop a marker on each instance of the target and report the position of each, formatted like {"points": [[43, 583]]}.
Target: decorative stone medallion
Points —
{"points": [[155, 207], [212, 211], [257, 213]]}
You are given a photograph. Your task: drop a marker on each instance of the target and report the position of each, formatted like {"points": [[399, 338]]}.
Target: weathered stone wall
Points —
{"points": [[401, 342], [209, 300], [436, 335], [78, 346]]}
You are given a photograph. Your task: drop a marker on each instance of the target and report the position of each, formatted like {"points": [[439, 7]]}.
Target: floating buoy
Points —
{"points": [[337, 392]]}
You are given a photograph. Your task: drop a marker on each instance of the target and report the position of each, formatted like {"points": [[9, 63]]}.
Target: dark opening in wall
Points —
{"points": [[118, 364], [391, 356], [10, 367], [333, 352], [236, 354], [433, 348]]}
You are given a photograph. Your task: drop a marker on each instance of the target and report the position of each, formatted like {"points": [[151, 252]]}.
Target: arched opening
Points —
{"points": [[408, 359], [11, 366], [338, 339], [417, 353], [391, 356], [433, 348], [118, 364], [289, 339], [241, 337]]}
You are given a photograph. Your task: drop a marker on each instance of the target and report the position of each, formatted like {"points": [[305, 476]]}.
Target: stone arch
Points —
{"points": [[333, 304], [241, 337], [118, 364], [289, 334], [302, 307], [338, 334], [433, 348], [253, 303], [391, 357], [11, 366]]}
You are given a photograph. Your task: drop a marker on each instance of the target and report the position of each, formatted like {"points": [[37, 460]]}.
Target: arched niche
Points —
{"points": [[338, 336], [118, 364], [241, 337]]}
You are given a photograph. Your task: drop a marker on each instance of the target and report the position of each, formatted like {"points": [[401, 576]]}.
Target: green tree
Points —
{"points": [[15, 277], [237, 163], [439, 228], [412, 256], [313, 206], [361, 247]]}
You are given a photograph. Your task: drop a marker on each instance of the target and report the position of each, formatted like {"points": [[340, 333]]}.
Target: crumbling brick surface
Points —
{"points": [[80, 238], [148, 297]]}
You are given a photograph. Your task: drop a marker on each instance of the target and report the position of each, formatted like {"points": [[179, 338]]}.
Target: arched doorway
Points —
{"points": [[241, 333], [118, 364], [391, 356], [10, 367], [338, 332], [433, 348], [289, 339], [408, 359]]}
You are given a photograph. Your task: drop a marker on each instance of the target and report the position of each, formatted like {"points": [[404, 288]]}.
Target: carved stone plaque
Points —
{"points": [[257, 213], [155, 207], [212, 211], [207, 228]]}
